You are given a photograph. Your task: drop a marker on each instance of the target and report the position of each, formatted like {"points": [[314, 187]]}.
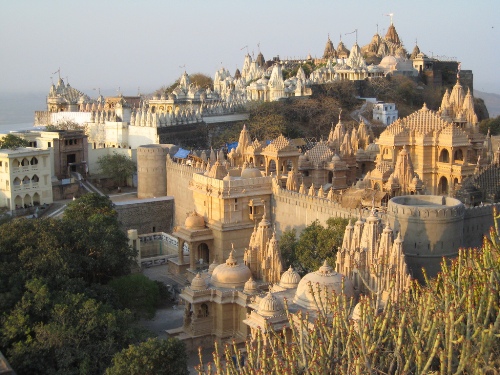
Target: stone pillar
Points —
{"points": [[135, 243], [192, 260], [180, 252]]}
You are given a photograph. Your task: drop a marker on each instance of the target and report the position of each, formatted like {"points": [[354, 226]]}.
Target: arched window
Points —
{"points": [[35, 179], [203, 310], [17, 181], [34, 161], [459, 155], [444, 156]]}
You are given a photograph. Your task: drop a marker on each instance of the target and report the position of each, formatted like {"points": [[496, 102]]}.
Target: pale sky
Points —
{"points": [[130, 44]]}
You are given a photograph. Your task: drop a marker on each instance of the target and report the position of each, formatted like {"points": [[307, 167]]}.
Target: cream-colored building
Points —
{"points": [[234, 300], [443, 147], [25, 177]]}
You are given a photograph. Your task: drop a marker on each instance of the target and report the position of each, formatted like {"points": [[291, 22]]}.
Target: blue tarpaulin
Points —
{"points": [[230, 146], [181, 153]]}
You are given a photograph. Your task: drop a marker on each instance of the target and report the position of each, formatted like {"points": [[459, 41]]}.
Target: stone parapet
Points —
{"points": [[428, 207], [231, 188]]}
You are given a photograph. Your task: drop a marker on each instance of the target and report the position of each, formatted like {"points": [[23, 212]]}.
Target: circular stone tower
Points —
{"points": [[431, 227], [151, 171]]}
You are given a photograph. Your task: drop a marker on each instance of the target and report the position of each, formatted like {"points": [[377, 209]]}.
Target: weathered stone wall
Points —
{"points": [[178, 179], [68, 191], [151, 171], [431, 228], [147, 215], [477, 223], [294, 210]]}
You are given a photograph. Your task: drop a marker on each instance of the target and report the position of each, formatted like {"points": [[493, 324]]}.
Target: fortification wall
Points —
{"points": [[146, 215], [293, 210], [431, 228], [179, 177], [477, 223]]}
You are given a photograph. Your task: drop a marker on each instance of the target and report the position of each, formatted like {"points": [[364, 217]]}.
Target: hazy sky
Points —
{"points": [[130, 44]]}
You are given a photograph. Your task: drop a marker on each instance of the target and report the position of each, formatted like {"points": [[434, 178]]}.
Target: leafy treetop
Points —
{"points": [[10, 141], [117, 166]]}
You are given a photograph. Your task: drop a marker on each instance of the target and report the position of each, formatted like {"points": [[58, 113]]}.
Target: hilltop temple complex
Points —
{"points": [[413, 196], [403, 214]]}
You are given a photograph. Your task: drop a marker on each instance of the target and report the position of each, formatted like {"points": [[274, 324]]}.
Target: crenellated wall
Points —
{"points": [[294, 210]]}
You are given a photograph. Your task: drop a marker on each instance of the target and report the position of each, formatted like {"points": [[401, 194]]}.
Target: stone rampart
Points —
{"points": [[294, 210], [477, 223], [146, 215], [431, 228], [179, 177]]}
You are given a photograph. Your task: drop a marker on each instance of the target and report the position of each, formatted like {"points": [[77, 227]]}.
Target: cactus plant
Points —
{"points": [[450, 325]]}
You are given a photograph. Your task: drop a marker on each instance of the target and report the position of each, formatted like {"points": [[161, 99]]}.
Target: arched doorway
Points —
{"points": [[443, 185], [203, 253], [27, 200], [18, 202]]}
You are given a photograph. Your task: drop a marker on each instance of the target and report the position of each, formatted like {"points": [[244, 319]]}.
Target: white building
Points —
{"points": [[25, 177], [386, 113]]}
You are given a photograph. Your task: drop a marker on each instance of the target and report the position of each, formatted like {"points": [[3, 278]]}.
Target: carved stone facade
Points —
{"points": [[442, 147]]}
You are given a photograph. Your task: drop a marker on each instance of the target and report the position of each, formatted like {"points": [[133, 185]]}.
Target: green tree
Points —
{"points": [[267, 127], [493, 124], [202, 80], [317, 243], [10, 141], [117, 166], [288, 245], [98, 239], [152, 357], [64, 333], [137, 293], [57, 315]]}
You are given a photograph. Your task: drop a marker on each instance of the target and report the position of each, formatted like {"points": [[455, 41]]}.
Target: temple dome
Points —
{"points": [[388, 61], [230, 274], [323, 281], [212, 267], [270, 306], [198, 283], [250, 286], [289, 279], [251, 173], [194, 221]]}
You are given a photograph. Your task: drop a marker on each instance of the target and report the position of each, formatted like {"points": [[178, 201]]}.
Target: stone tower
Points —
{"points": [[151, 171]]}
